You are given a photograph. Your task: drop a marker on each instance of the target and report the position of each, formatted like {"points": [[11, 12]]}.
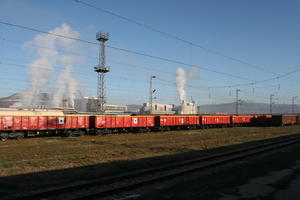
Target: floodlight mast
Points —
{"points": [[101, 69], [151, 91]]}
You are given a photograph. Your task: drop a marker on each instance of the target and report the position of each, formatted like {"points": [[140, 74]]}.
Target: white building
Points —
{"points": [[81, 104], [188, 108], [157, 108], [87, 104]]}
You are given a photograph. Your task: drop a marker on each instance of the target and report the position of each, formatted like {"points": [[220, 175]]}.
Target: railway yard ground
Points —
{"points": [[49, 162], [274, 175]]}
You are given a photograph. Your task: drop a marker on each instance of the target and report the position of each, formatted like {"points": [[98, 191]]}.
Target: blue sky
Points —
{"points": [[262, 33]]}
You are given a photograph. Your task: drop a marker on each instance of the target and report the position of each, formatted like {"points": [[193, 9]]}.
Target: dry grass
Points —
{"points": [[42, 154]]}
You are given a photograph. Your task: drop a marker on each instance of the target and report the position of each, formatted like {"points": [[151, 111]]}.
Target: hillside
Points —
{"points": [[247, 107], [6, 102]]}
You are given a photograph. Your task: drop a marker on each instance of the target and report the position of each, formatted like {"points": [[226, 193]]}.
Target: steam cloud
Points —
{"points": [[180, 83], [41, 69], [181, 77]]}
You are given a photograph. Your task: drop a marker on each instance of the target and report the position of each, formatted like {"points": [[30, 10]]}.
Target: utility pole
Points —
{"points": [[101, 69], [238, 102], [271, 103], [151, 91], [293, 103]]}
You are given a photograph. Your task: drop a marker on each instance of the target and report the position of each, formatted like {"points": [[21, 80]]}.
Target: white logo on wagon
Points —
{"points": [[61, 120], [135, 120]]}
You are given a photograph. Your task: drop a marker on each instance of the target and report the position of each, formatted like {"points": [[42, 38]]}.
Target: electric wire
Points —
{"points": [[131, 51], [172, 36], [156, 57]]}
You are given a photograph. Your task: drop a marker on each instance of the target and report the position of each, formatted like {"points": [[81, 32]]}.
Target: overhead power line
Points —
{"points": [[145, 67], [126, 50], [123, 89], [172, 36], [46, 67], [251, 82]]}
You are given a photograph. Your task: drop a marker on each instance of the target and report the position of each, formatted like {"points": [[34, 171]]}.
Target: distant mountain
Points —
{"points": [[248, 107], [245, 108], [6, 102]]}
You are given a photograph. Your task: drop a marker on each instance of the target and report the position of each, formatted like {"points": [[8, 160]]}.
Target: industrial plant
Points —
{"points": [[69, 97]]}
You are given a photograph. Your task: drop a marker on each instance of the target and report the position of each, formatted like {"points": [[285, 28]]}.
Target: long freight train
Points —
{"points": [[22, 123]]}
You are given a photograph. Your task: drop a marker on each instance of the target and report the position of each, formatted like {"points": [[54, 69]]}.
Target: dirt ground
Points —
{"points": [[38, 164], [53, 153], [274, 175]]}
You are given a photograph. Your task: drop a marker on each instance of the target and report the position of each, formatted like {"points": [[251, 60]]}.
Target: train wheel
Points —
{"points": [[69, 134], [4, 136], [19, 135], [80, 133]]}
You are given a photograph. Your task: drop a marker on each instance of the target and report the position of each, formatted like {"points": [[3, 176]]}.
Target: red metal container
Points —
{"points": [[281, 120], [263, 120], [42, 122], [298, 119], [214, 119], [73, 122], [127, 121], [83, 121], [242, 119], [17, 123], [136, 121], [165, 121], [193, 120], [25, 122], [33, 123], [121, 121], [1, 123], [7, 122], [177, 120], [65, 122]]}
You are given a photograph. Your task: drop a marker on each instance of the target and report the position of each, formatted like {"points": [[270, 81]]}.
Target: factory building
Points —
{"points": [[157, 108], [115, 109], [188, 108], [87, 104]]}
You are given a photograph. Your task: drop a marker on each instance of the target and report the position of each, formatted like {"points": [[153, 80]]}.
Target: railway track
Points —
{"points": [[112, 185]]}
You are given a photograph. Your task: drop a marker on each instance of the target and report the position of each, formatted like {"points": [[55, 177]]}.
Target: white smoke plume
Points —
{"points": [[41, 69], [180, 83], [181, 78], [66, 89], [193, 73]]}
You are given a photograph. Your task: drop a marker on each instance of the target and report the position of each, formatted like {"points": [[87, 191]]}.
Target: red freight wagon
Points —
{"points": [[193, 120], [108, 123], [298, 119], [77, 122], [281, 120], [177, 120], [242, 119], [10, 126], [214, 120], [263, 120]]}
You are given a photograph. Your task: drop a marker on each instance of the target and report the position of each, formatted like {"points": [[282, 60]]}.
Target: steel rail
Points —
{"points": [[116, 184]]}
